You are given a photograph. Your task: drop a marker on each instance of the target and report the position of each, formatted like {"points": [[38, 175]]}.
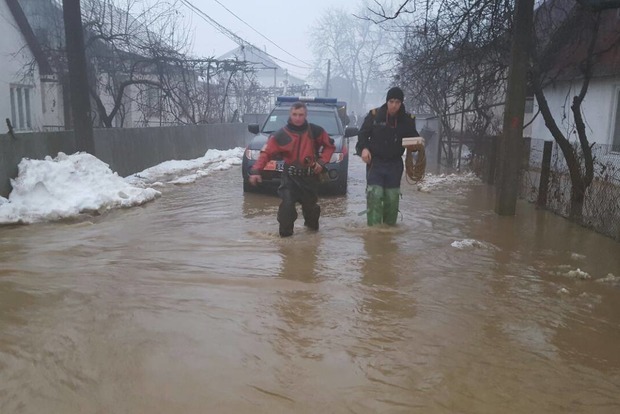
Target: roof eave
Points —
{"points": [[19, 16]]}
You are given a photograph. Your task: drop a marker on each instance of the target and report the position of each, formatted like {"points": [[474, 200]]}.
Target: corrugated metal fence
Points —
{"points": [[125, 150]]}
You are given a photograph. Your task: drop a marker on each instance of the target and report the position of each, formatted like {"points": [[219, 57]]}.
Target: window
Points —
{"points": [[327, 119], [21, 114], [152, 98], [615, 142]]}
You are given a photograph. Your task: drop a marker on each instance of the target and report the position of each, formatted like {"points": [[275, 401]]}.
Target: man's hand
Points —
{"points": [[317, 168], [255, 179], [366, 157]]}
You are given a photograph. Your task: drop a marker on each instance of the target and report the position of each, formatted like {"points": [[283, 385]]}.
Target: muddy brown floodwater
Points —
{"points": [[192, 304]]}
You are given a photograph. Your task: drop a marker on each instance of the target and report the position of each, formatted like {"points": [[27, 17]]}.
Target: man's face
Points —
{"points": [[393, 105], [298, 116]]}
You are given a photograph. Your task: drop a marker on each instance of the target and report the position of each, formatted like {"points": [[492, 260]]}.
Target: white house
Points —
{"points": [[601, 107], [30, 97], [601, 110]]}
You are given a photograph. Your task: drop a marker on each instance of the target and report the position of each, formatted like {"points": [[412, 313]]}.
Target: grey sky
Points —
{"points": [[285, 23]]}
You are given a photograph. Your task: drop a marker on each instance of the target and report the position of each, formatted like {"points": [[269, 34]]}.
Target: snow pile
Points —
{"points": [[53, 189], [213, 160]]}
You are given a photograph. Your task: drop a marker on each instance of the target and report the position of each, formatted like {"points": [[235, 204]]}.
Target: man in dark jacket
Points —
{"points": [[298, 144], [380, 146]]}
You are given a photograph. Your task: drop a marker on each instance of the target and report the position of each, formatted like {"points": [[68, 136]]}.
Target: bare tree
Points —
{"points": [[359, 50], [128, 47], [567, 37], [138, 57], [454, 63], [140, 68], [570, 50]]}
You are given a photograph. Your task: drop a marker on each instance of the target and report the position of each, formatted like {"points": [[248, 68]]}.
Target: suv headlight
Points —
{"points": [[336, 157], [252, 154]]}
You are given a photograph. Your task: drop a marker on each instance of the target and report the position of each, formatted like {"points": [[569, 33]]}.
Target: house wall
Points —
{"points": [[52, 104], [16, 58], [125, 150], [133, 118], [134, 105], [599, 110]]}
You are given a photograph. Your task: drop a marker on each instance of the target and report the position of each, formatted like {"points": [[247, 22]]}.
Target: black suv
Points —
{"points": [[321, 111]]}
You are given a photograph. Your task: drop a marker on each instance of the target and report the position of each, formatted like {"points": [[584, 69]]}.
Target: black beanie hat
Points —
{"points": [[395, 93]]}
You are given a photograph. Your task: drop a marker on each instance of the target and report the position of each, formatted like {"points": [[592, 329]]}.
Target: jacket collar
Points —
{"points": [[382, 112], [296, 128]]}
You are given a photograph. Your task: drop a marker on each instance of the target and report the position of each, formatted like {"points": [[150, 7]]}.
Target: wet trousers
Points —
{"points": [[383, 191], [295, 190]]}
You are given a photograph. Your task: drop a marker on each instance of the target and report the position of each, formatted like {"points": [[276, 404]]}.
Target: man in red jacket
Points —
{"points": [[298, 144]]}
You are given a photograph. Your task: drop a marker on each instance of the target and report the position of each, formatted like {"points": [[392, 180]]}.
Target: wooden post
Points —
{"points": [[507, 183], [492, 157], [78, 78], [545, 172], [439, 148]]}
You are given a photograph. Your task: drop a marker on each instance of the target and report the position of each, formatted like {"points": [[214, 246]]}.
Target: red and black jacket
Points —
{"points": [[298, 145]]}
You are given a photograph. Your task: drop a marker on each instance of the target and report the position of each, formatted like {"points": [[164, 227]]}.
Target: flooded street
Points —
{"points": [[193, 304]]}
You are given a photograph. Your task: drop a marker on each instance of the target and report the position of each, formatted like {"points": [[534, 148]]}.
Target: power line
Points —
{"points": [[232, 36], [262, 35]]}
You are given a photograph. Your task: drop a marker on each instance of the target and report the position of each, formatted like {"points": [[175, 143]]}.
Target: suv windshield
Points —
{"points": [[326, 119]]}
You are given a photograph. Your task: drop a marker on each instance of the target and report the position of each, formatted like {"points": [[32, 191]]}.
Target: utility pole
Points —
{"points": [[78, 78], [329, 65], [511, 143]]}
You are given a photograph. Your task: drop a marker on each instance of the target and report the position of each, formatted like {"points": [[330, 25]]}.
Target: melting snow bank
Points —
{"points": [[70, 185], [188, 171], [66, 186], [435, 182]]}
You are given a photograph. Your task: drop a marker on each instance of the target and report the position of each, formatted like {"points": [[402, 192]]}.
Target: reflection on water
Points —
{"points": [[380, 262], [193, 304]]}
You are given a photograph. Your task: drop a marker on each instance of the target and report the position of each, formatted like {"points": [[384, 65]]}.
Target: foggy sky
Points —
{"points": [[285, 23]]}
